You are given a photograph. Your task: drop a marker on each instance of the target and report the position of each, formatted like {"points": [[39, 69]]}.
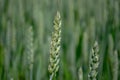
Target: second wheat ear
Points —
{"points": [[55, 47], [94, 62]]}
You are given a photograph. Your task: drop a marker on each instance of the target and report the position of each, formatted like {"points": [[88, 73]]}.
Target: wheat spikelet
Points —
{"points": [[94, 62], [55, 47]]}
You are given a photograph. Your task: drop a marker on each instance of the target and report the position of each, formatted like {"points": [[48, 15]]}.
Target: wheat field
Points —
{"points": [[59, 39]]}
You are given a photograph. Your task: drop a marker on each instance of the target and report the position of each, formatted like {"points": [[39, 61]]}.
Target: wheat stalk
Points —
{"points": [[94, 62], [55, 47]]}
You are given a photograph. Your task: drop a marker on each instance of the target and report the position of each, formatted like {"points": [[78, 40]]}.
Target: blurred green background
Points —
{"points": [[83, 22]]}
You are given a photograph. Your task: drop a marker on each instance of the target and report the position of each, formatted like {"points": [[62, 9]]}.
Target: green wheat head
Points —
{"points": [[55, 47], [29, 46], [94, 62], [29, 50]]}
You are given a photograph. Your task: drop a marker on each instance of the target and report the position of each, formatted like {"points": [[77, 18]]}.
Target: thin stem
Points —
{"points": [[31, 72], [51, 76], [58, 5]]}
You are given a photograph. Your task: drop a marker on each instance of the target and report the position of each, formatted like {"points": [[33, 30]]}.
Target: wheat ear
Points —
{"points": [[94, 62], [55, 47], [29, 49]]}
